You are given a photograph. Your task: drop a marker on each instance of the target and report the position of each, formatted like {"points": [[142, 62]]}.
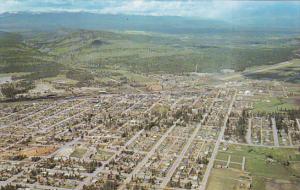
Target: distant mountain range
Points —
{"points": [[24, 21]]}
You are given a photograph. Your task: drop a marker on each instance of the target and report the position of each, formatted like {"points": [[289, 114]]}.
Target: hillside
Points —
{"points": [[48, 54], [153, 52], [17, 56]]}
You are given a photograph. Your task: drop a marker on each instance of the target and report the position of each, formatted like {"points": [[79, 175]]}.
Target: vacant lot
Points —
{"points": [[38, 151], [223, 179], [79, 152], [270, 168]]}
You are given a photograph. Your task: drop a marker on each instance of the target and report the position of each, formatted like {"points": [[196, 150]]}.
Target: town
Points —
{"points": [[149, 95], [176, 136]]}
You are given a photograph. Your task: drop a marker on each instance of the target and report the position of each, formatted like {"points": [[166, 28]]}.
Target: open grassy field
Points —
{"points": [[223, 179], [270, 105], [270, 168], [102, 155], [78, 152]]}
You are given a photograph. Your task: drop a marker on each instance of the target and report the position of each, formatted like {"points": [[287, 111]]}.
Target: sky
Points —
{"points": [[188, 8]]}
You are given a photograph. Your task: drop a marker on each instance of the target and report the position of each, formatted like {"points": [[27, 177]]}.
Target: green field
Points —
{"points": [[78, 152], [276, 172], [270, 105], [102, 155], [224, 179]]}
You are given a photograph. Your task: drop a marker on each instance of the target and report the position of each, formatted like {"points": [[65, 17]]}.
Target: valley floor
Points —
{"points": [[180, 132]]}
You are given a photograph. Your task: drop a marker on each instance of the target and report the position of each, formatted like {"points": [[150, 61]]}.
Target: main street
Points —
{"points": [[217, 145]]}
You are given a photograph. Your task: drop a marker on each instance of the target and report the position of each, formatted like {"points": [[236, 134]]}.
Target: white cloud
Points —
{"points": [[9, 5], [192, 8], [210, 9], [140, 7]]}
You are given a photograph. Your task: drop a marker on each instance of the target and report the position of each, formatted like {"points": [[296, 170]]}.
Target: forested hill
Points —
{"points": [[166, 24], [140, 52]]}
